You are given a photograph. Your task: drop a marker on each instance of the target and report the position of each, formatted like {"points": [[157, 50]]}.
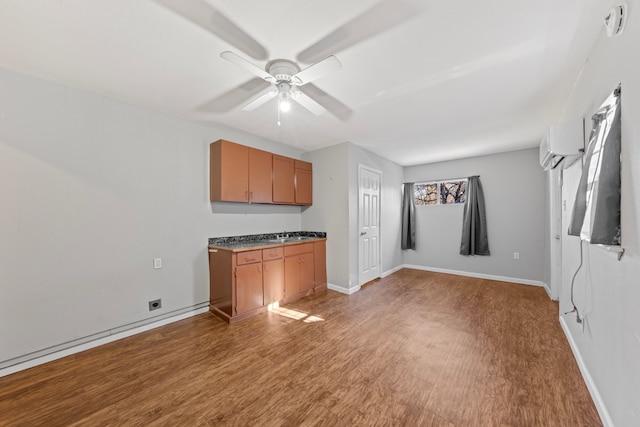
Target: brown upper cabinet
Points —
{"points": [[239, 173], [243, 174], [260, 171], [303, 183], [283, 175]]}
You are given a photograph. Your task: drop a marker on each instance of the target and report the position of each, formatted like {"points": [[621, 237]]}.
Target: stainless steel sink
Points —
{"points": [[290, 239]]}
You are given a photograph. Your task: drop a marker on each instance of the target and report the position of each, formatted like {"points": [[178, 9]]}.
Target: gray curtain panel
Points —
{"points": [[596, 211], [474, 222], [408, 240]]}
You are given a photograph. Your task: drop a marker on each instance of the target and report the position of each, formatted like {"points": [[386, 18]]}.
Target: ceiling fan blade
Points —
{"points": [[317, 70], [331, 104], [308, 103], [213, 21], [381, 17], [234, 97], [241, 62], [260, 100]]}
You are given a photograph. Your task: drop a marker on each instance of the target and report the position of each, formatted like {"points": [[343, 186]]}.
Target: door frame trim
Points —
{"points": [[379, 172]]}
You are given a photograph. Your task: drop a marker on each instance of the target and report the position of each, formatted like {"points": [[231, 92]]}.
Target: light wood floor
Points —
{"points": [[414, 349]]}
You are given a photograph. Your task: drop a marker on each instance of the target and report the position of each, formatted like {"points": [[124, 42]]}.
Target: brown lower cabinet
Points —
{"points": [[298, 271], [244, 283]]}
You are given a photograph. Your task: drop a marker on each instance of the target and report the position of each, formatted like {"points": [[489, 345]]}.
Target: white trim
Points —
{"points": [[591, 385], [548, 290], [370, 169], [86, 343], [477, 275], [393, 270], [342, 290]]}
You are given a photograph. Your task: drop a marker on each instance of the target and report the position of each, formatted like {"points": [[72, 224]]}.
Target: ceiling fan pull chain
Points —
{"points": [[279, 111]]}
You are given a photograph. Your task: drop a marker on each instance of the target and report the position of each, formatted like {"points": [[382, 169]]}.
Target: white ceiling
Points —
{"points": [[421, 80]]}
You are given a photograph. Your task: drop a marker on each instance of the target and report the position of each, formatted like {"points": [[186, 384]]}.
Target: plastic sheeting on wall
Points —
{"points": [[596, 212]]}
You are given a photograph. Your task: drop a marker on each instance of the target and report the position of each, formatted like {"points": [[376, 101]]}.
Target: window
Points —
{"points": [[440, 192]]}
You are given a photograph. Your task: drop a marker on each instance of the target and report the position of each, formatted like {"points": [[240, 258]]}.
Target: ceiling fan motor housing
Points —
{"points": [[282, 69]]}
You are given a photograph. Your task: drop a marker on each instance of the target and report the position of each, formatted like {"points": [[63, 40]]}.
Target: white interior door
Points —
{"points": [[369, 224]]}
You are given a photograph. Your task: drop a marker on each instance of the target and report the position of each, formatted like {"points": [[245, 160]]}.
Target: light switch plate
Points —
{"points": [[157, 263]]}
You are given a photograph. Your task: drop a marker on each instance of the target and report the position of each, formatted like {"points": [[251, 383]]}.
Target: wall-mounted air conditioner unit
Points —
{"points": [[563, 143]]}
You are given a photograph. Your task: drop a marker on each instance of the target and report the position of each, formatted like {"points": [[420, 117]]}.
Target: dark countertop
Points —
{"points": [[261, 241]]}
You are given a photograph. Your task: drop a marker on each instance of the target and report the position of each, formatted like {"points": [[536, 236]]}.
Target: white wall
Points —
{"points": [[92, 190], [390, 210], [335, 209], [513, 185], [330, 208], [607, 290]]}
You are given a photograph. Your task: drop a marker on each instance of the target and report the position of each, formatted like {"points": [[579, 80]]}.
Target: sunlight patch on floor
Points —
{"points": [[294, 314]]}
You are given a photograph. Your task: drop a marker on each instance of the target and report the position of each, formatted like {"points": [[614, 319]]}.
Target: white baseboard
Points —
{"points": [[476, 275], [393, 270], [342, 290], [81, 344], [591, 385]]}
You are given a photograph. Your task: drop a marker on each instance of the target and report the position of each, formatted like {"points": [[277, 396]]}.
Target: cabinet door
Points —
{"points": [[291, 276], [249, 294], [273, 280], [303, 183], [307, 270], [260, 168], [283, 188], [229, 170]]}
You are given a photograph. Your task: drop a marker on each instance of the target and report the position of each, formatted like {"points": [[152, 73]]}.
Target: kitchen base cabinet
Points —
{"points": [[249, 293], [299, 271], [244, 283], [273, 281], [320, 265]]}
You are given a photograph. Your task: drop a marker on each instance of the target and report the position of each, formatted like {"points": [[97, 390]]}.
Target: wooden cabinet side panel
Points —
{"points": [[320, 263], [283, 186], [215, 171], [260, 176], [221, 281], [273, 280], [233, 168], [303, 187], [249, 292]]}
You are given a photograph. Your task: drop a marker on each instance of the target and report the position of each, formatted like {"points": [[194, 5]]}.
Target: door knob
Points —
{"points": [[362, 233]]}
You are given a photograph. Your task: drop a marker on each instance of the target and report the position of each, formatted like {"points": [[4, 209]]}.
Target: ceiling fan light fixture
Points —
{"points": [[285, 105], [284, 97]]}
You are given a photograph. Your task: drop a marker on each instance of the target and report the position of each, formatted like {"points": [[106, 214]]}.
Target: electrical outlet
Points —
{"points": [[155, 304], [157, 263], [516, 255]]}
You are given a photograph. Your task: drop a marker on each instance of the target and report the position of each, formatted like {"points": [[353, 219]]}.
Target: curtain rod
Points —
{"points": [[442, 180]]}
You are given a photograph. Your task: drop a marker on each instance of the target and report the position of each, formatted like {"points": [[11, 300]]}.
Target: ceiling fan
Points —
{"points": [[285, 77], [383, 15]]}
